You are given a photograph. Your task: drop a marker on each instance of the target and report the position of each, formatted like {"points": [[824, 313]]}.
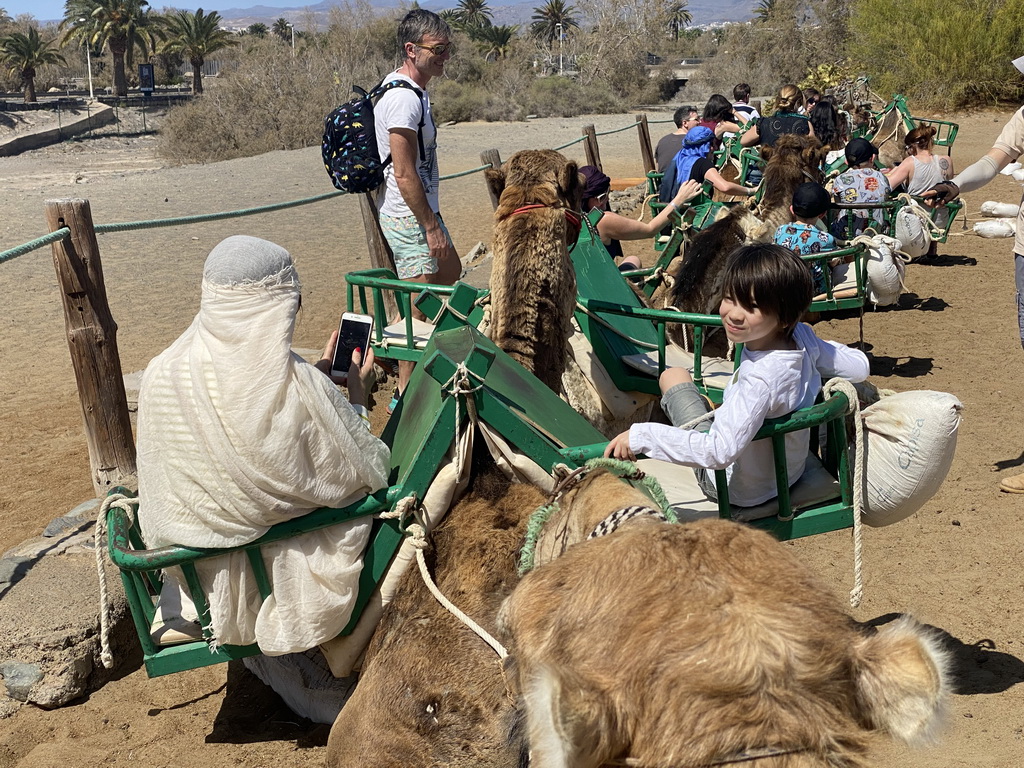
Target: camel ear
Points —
{"points": [[572, 185], [495, 178], [766, 153], [903, 680]]}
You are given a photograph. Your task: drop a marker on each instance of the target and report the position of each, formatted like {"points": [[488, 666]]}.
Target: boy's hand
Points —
{"points": [[618, 448]]}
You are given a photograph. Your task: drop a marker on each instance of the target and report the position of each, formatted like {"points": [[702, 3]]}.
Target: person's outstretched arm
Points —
{"points": [[728, 187], [751, 137], [615, 227]]}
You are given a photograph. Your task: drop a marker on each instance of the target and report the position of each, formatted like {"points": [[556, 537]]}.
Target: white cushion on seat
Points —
{"points": [[394, 334], [688, 502], [715, 370]]}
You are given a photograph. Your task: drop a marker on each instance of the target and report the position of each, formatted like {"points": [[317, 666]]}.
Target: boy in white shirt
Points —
{"points": [[766, 289]]}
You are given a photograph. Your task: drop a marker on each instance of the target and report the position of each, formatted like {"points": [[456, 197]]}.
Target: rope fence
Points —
{"points": [[588, 136]]}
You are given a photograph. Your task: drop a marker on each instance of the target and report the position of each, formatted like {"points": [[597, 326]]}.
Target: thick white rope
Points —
{"points": [[419, 541], [458, 385], [99, 541], [859, 464]]}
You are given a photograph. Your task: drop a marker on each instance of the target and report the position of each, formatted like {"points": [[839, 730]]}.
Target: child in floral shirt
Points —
{"points": [[862, 183], [810, 201]]}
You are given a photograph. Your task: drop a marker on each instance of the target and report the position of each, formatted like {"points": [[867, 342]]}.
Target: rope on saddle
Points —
{"points": [[99, 539], [566, 479], [457, 386], [859, 464], [933, 230]]}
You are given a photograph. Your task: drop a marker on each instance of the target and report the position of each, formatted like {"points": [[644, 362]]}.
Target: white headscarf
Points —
{"points": [[236, 433]]}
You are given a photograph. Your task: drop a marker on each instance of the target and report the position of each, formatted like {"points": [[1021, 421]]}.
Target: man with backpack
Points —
{"points": [[408, 209]]}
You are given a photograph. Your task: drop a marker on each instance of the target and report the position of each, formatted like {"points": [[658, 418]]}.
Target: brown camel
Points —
{"points": [[707, 644], [533, 283], [431, 692], [792, 161]]}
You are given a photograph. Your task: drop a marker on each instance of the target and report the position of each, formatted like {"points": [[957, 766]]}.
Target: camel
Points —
{"points": [[431, 692], [705, 644], [533, 283], [697, 282]]}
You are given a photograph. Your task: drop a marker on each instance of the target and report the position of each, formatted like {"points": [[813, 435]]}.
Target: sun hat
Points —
{"points": [[810, 200], [860, 151], [595, 183]]}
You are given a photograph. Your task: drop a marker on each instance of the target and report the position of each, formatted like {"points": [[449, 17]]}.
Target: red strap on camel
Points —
{"points": [[572, 219]]}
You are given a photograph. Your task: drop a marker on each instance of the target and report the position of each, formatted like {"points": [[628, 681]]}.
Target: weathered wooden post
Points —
{"points": [[92, 340], [492, 158], [646, 152], [380, 252], [590, 147]]}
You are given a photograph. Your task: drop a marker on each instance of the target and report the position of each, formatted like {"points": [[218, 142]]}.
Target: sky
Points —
{"points": [[53, 10]]}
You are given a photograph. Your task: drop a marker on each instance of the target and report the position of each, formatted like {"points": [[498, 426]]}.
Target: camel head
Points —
{"points": [[535, 176]]}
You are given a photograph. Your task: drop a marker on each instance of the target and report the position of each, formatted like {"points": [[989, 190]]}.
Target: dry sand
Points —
{"points": [[954, 564]]}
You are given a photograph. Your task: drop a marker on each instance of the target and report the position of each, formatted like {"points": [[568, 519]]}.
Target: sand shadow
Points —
{"points": [[1008, 463], [975, 668], [945, 260], [913, 301], [905, 367], [252, 712]]}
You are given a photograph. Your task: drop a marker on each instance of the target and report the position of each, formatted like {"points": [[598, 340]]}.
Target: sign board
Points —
{"points": [[146, 78]]}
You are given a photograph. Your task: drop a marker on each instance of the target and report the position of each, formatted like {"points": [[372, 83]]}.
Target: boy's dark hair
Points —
{"points": [[771, 276], [741, 92]]}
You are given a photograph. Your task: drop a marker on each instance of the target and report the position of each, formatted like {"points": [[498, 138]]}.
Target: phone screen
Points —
{"points": [[353, 333]]}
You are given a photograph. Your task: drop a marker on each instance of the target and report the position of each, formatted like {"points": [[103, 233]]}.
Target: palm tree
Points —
{"points": [[258, 29], [119, 25], [474, 14], [679, 17], [547, 18], [495, 42], [282, 29], [24, 53], [195, 36], [765, 11]]}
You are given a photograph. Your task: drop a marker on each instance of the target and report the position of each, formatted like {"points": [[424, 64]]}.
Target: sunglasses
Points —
{"points": [[438, 50]]}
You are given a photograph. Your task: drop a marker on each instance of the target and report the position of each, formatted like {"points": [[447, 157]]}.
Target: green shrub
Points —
{"points": [[564, 97]]}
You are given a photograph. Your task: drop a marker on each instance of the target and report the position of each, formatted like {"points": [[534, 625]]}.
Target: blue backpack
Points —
{"points": [[349, 146], [696, 145]]}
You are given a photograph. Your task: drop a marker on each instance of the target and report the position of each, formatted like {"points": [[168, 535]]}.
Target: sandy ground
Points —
{"points": [[955, 564]]}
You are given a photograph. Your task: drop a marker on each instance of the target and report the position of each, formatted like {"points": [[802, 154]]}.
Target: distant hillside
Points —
{"points": [[703, 11]]}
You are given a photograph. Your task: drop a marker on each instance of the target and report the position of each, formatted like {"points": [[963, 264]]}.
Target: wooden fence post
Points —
{"points": [[492, 158], [92, 340], [646, 152], [380, 252], [590, 146]]}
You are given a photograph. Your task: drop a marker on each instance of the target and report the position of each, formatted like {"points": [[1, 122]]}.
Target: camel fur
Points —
{"points": [[431, 692], [688, 645], [697, 282], [533, 283]]}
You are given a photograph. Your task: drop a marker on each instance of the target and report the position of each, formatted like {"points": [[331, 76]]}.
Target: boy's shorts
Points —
{"points": [[408, 241], [682, 404]]}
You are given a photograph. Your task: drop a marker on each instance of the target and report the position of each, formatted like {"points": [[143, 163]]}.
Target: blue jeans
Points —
{"points": [[1018, 275]]}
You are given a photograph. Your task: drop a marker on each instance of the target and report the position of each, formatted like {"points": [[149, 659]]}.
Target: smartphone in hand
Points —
{"points": [[353, 333]]}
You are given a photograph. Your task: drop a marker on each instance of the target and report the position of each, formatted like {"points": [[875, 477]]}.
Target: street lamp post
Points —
{"points": [[558, 27], [292, 28], [88, 60]]}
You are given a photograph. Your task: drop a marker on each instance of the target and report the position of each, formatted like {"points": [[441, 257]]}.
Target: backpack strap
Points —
{"points": [[383, 87]]}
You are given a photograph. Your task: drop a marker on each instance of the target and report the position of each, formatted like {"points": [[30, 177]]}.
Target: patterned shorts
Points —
{"points": [[408, 241]]}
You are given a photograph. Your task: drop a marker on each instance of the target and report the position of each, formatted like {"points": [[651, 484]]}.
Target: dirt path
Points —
{"points": [[955, 564]]}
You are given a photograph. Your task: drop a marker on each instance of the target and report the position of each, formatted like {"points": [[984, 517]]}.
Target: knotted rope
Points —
{"points": [[99, 539], [910, 204], [565, 480], [458, 385], [859, 459]]}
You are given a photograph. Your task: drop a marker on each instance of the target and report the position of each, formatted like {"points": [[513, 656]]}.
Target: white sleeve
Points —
{"points": [[399, 108], [736, 422], [834, 359], [976, 175]]}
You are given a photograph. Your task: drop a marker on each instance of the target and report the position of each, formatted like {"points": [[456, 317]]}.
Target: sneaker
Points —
{"points": [[1012, 484], [394, 401]]}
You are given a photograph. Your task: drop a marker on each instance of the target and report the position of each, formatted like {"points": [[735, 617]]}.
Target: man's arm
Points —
{"points": [[973, 177], [404, 145]]}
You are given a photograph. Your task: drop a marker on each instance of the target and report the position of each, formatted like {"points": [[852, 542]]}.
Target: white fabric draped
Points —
{"points": [[236, 433]]}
